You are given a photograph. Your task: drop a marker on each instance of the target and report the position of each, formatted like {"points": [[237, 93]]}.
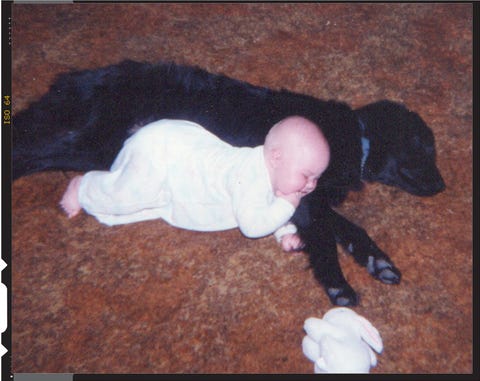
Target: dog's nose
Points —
{"points": [[440, 185], [436, 184]]}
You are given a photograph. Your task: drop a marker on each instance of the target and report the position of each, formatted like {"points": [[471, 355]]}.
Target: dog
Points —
{"points": [[82, 122]]}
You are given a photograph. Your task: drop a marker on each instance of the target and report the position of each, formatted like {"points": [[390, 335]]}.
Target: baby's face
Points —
{"points": [[299, 171]]}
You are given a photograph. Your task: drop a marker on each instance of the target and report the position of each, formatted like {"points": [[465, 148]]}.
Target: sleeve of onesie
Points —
{"points": [[256, 220], [257, 210]]}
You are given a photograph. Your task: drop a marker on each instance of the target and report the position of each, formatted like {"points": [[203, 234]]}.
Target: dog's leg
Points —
{"points": [[321, 248], [364, 250], [313, 221]]}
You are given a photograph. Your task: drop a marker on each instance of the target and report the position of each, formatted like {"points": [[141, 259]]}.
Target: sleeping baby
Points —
{"points": [[178, 171]]}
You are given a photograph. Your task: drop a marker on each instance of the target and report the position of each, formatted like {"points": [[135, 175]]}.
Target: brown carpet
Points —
{"points": [[150, 298]]}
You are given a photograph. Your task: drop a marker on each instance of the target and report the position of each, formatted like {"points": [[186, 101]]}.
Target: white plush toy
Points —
{"points": [[341, 341]]}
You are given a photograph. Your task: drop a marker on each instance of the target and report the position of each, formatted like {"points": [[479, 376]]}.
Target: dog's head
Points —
{"points": [[401, 149]]}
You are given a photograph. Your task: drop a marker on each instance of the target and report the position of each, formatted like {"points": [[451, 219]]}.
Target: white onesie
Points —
{"points": [[178, 171]]}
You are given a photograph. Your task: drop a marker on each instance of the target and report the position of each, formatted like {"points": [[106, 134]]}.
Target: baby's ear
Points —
{"points": [[274, 156]]}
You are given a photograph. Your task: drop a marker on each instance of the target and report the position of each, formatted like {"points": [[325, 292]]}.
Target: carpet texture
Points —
{"points": [[149, 298]]}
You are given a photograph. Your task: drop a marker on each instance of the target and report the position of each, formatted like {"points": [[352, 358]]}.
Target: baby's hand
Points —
{"points": [[292, 198], [69, 202], [292, 242]]}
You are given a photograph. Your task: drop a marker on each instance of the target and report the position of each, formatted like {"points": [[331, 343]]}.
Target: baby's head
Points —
{"points": [[296, 154]]}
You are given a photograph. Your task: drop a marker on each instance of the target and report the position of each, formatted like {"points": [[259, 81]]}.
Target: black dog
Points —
{"points": [[82, 122]]}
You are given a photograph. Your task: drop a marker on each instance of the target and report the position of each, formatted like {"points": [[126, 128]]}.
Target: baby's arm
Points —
{"points": [[292, 198], [255, 220], [292, 242], [288, 238]]}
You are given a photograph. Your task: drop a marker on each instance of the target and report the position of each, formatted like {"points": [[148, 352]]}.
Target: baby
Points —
{"points": [[178, 171]]}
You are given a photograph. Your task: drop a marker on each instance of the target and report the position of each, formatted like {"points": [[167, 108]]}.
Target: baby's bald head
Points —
{"points": [[295, 146], [295, 130]]}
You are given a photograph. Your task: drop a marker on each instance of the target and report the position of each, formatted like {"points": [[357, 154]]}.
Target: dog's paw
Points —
{"points": [[383, 270], [342, 296]]}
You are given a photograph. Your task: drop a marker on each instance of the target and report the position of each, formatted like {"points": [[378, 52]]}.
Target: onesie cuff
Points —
{"points": [[288, 228]]}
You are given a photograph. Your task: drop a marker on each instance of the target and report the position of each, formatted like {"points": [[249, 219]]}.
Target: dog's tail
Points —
{"points": [[65, 130], [42, 141], [34, 153]]}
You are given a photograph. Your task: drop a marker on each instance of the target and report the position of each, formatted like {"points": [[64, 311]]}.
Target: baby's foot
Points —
{"points": [[69, 201], [292, 242]]}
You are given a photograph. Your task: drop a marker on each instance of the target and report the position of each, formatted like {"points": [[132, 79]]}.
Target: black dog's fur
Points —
{"points": [[82, 122]]}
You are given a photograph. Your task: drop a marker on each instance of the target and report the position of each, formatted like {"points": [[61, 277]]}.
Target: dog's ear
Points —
{"points": [[401, 149], [340, 126]]}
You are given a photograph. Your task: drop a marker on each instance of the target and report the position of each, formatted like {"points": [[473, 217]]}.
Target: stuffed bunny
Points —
{"points": [[341, 341]]}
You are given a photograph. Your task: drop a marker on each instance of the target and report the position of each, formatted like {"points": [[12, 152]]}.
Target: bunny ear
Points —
{"points": [[373, 357], [311, 349], [370, 334], [316, 328]]}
